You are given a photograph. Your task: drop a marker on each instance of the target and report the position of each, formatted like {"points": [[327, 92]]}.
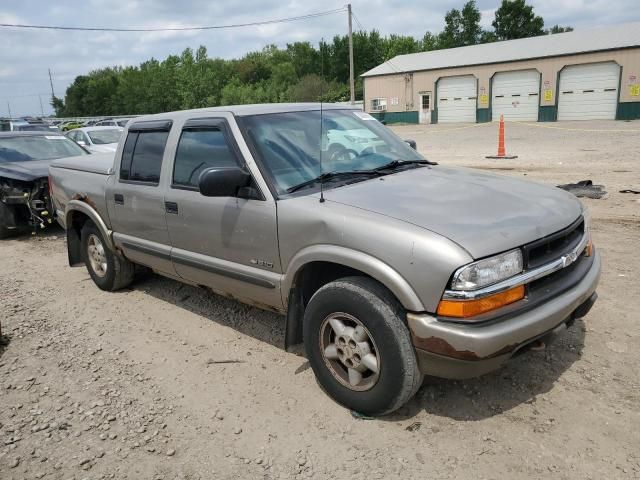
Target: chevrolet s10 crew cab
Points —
{"points": [[387, 266]]}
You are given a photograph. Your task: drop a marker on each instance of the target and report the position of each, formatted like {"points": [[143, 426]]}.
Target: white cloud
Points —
{"points": [[27, 54]]}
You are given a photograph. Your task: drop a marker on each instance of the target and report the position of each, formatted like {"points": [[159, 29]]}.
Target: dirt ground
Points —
{"points": [[128, 385]]}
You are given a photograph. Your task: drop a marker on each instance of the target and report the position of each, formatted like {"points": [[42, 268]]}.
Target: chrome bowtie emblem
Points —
{"points": [[568, 259]]}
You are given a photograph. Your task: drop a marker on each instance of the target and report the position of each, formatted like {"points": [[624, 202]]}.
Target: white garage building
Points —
{"points": [[580, 75]]}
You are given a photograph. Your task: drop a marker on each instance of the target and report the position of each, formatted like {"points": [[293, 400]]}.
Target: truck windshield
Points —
{"points": [[37, 147], [290, 144]]}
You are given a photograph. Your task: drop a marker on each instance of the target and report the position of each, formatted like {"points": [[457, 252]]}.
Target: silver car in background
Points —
{"points": [[97, 139]]}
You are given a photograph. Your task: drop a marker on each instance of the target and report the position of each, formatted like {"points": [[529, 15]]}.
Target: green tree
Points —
{"points": [[58, 106], [304, 58], [462, 27], [558, 29], [309, 88], [75, 97], [429, 42], [400, 45], [515, 19], [488, 36]]}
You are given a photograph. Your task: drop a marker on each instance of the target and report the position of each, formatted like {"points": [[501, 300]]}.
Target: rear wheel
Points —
{"points": [[109, 271], [359, 346]]}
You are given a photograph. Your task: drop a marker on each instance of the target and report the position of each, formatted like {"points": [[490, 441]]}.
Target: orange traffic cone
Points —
{"points": [[502, 152]]}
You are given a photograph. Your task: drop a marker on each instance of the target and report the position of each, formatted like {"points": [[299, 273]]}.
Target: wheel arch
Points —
{"points": [[318, 265], [76, 215]]}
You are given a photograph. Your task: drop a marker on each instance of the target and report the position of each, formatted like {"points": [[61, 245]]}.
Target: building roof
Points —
{"points": [[610, 37]]}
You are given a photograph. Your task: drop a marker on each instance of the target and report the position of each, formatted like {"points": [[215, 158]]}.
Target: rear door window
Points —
{"points": [[201, 148], [142, 156]]}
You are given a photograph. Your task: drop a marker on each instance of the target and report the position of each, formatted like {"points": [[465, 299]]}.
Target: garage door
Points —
{"points": [[457, 99], [589, 91], [515, 95]]}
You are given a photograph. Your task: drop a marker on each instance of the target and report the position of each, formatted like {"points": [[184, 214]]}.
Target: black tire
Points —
{"points": [[119, 271], [383, 317], [6, 219]]}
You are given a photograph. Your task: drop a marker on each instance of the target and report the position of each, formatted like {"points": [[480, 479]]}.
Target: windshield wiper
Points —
{"points": [[401, 163], [332, 175]]}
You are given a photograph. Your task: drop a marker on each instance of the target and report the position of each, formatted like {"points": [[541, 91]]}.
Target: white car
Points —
{"points": [[352, 142], [113, 122], [97, 139]]}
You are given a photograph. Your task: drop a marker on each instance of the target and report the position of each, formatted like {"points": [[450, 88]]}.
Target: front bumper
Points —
{"points": [[457, 350]]}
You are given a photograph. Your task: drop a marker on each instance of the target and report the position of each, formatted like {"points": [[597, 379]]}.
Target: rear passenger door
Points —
{"points": [[228, 244], [136, 198]]}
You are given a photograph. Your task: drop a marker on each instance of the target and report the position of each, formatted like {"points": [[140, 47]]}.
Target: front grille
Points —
{"points": [[553, 246]]}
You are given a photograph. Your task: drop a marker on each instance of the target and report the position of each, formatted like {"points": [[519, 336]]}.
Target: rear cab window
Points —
{"points": [[143, 151]]}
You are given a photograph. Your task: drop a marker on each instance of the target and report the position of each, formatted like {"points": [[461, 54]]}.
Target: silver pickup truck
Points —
{"points": [[387, 266]]}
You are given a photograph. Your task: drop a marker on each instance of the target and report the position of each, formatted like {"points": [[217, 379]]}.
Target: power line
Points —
{"points": [[357, 21], [388, 62], [176, 29], [23, 96]]}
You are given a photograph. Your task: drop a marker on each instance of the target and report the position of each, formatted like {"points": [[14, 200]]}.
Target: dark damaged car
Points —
{"points": [[24, 169]]}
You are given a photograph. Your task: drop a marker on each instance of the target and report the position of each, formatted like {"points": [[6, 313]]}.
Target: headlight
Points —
{"points": [[488, 271]]}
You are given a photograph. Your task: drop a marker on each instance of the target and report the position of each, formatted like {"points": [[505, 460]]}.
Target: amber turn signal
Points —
{"points": [[471, 308], [588, 251]]}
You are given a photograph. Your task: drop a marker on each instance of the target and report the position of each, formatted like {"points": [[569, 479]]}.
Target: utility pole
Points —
{"points": [[41, 109], [351, 81], [9, 108], [51, 83]]}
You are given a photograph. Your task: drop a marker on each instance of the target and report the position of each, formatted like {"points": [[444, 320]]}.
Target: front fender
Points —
{"points": [[372, 266]]}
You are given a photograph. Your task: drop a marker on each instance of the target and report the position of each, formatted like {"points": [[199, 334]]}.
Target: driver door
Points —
{"points": [[227, 244]]}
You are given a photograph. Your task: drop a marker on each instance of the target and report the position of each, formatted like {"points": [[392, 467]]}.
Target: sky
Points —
{"points": [[26, 55]]}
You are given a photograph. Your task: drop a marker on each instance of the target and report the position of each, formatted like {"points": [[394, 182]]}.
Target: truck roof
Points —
{"points": [[255, 109]]}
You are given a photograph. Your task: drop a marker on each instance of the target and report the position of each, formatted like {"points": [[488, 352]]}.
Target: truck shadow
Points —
{"points": [[4, 343], [52, 232], [260, 324], [521, 380]]}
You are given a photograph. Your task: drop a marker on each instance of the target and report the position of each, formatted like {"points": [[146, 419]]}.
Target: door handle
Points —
{"points": [[171, 207], [118, 198]]}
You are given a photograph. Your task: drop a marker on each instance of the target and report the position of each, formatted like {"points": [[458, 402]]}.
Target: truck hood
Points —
{"points": [[25, 171], [483, 213]]}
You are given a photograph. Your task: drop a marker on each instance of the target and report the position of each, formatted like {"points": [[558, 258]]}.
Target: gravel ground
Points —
{"points": [[129, 385]]}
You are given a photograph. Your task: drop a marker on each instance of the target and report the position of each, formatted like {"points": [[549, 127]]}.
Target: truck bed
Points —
{"points": [[101, 163], [81, 178]]}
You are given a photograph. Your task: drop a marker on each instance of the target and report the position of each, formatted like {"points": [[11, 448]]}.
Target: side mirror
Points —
{"points": [[412, 144], [223, 181], [82, 142]]}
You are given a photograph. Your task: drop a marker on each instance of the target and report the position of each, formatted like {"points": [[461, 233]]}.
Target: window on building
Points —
{"points": [[198, 150], [142, 156], [378, 104]]}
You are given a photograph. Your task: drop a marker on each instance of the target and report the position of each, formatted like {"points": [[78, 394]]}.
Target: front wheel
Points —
{"points": [[359, 346], [109, 271]]}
